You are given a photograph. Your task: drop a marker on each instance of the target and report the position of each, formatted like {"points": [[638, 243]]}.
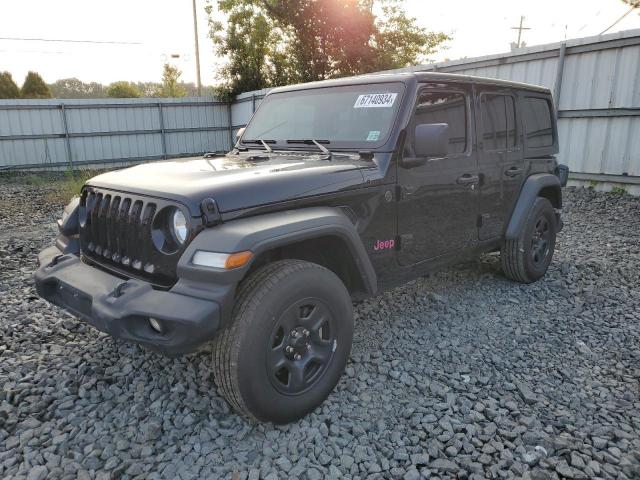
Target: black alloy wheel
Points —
{"points": [[527, 257], [540, 241], [288, 342], [301, 346]]}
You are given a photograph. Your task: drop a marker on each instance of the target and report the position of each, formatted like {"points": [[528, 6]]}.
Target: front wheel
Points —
{"points": [[526, 258], [288, 342]]}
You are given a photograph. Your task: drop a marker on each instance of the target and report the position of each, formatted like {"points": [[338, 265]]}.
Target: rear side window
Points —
{"points": [[498, 122], [537, 122], [449, 108]]}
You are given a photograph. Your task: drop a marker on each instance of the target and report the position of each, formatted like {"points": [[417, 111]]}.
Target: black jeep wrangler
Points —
{"points": [[335, 191]]}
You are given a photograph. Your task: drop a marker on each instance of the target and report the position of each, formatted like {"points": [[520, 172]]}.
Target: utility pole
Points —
{"points": [[195, 31], [520, 29]]}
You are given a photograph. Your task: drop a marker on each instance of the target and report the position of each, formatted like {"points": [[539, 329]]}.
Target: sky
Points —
{"points": [[151, 31]]}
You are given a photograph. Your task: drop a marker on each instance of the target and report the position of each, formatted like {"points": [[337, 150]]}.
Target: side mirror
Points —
{"points": [[240, 132], [432, 140]]}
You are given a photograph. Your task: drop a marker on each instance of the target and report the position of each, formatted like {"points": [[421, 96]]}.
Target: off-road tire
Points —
{"points": [[240, 352], [516, 255]]}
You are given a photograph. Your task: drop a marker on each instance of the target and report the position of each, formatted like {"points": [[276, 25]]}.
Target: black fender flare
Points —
{"points": [[531, 189], [268, 231]]}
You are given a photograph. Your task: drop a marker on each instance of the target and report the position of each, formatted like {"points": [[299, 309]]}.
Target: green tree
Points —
{"points": [[329, 38], [258, 56], [8, 88], [171, 87], [400, 42], [276, 42], [34, 87], [123, 90], [75, 88], [148, 89]]}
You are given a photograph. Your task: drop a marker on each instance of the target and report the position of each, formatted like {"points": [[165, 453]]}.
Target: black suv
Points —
{"points": [[335, 191]]}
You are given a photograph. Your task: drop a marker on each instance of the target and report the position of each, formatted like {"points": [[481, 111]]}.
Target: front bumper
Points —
{"points": [[188, 314]]}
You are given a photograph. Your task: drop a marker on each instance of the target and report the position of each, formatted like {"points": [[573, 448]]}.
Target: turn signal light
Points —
{"points": [[225, 261], [236, 260]]}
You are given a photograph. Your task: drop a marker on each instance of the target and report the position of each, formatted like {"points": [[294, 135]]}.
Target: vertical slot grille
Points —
{"points": [[114, 214], [133, 227], [118, 232]]}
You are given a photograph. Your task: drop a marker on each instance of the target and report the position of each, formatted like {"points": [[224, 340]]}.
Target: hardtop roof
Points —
{"points": [[406, 77]]}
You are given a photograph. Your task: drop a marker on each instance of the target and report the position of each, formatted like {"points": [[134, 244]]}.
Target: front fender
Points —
{"points": [[265, 232]]}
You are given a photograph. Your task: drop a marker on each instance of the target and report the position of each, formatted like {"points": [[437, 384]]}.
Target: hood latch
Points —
{"points": [[210, 212]]}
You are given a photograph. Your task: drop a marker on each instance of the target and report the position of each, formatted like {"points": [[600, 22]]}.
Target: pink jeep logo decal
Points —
{"points": [[384, 245]]}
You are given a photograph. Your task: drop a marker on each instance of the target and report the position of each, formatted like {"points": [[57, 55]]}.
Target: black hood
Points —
{"points": [[238, 181]]}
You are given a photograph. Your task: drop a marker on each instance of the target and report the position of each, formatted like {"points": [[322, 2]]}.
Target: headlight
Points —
{"points": [[179, 226]]}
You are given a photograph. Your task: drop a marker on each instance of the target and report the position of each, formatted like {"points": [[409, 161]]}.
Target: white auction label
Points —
{"points": [[376, 100]]}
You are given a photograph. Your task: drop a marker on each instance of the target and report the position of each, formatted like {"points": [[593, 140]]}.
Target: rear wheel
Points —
{"points": [[526, 258], [288, 342]]}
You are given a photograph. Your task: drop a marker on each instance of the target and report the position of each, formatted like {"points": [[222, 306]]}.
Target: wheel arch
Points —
{"points": [[322, 235], [553, 194], [545, 185], [329, 250]]}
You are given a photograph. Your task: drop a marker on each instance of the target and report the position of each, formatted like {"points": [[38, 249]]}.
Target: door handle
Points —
{"points": [[514, 172], [466, 179]]}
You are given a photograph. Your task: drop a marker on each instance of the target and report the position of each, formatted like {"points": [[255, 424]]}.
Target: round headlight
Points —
{"points": [[179, 226]]}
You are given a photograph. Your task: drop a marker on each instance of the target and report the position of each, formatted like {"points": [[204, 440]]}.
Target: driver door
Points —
{"points": [[437, 211]]}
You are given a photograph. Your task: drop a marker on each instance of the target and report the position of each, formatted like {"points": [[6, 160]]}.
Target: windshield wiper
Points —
{"points": [[264, 143], [266, 146], [317, 143]]}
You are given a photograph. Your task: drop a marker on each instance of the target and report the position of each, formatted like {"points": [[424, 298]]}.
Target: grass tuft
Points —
{"points": [[70, 185], [619, 190], [57, 187]]}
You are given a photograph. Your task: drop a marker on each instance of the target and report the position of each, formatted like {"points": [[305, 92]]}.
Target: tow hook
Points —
{"points": [[119, 290], [55, 260]]}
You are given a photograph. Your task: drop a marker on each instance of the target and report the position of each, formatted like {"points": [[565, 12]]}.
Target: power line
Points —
{"points": [[34, 51], [633, 7], [69, 41]]}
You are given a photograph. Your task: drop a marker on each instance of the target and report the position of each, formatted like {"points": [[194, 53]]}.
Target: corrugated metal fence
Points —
{"points": [[596, 83], [73, 133]]}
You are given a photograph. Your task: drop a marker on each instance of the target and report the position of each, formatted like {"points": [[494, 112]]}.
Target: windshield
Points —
{"points": [[353, 116]]}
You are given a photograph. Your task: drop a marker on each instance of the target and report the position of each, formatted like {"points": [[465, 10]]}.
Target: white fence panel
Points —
{"points": [[595, 80], [73, 133]]}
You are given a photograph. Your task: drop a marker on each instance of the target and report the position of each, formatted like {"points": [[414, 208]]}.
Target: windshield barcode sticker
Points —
{"points": [[374, 136], [376, 100]]}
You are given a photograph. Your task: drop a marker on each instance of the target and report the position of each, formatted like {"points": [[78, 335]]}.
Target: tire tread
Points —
{"points": [[512, 253], [226, 347]]}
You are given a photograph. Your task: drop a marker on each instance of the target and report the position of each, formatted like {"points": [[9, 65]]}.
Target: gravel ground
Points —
{"points": [[460, 375]]}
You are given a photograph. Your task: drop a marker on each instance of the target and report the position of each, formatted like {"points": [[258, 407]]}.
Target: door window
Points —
{"points": [[443, 107], [499, 130]]}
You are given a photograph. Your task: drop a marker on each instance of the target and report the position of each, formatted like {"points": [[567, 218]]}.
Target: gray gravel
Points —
{"points": [[460, 375]]}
